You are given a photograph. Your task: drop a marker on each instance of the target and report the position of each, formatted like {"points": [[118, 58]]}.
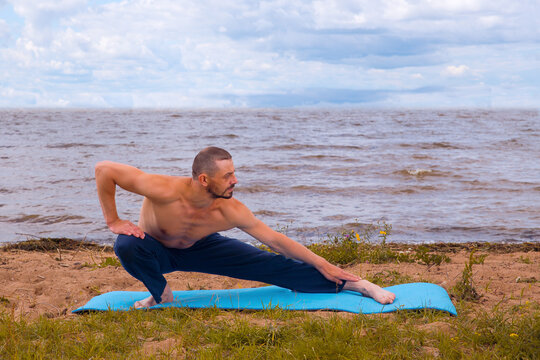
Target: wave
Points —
{"points": [[172, 159], [420, 173], [433, 145], [256, 189], [337, 217], [315, 147], [212, 137], [281, 167], [268, 213], [71, 145], [510, 234], [328, 158], [46, 220]]}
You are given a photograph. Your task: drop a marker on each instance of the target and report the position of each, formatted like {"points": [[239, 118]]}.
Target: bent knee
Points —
{"points": [[126, 246]]}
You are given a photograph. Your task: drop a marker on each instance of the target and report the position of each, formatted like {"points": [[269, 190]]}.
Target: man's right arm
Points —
{"points": [[109, 174]]}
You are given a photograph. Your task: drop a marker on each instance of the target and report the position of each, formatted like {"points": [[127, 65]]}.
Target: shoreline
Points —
{"points": [[51, 277], [63, 243]]}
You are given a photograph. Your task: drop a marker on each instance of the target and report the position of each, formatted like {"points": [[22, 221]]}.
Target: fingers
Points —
{"points": [[127, 228], [136, 231], [340, 275], [350, 277]]}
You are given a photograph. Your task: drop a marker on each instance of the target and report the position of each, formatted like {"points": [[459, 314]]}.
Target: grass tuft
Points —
{"points": [[349, 247], [105, 261], [464, 289]]}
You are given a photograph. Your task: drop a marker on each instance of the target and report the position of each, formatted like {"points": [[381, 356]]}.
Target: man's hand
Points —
{"points": [[335, 274], [126, 227]]}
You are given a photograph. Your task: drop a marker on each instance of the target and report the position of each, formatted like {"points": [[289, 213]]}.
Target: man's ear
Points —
{"points": [[203, 179]]}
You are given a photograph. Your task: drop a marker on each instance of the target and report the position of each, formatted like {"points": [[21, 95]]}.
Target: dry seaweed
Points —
{"points": [[55, 244]]}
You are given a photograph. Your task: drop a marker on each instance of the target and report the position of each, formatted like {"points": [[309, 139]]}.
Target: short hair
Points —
{"points": [[205, 161]]}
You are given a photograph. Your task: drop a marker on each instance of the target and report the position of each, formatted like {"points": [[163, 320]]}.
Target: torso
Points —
{"points": [[176, 224]]}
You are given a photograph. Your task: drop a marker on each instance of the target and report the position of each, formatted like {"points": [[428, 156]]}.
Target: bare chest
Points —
{"points": [[177, 225]]}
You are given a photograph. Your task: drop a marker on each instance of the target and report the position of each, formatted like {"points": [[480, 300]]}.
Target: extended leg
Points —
{"points": [[220, 255]]}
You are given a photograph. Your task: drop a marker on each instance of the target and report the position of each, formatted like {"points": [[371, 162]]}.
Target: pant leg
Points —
{"points": [[220, 255], [146, 260]]}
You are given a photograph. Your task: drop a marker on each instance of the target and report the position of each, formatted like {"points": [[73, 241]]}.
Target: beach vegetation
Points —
{"points": [[388, 278], [370, 245], [34, 243], [495, 331], [464, 288], [274, 334], [103, 262]]}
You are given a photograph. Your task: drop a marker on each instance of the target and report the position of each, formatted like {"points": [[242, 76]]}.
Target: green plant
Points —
{"points": [[424, 257], [105, 261], [464, 289], [388, 278]]}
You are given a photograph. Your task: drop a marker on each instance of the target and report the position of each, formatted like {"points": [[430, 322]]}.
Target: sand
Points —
{"points": [[52, 283]]}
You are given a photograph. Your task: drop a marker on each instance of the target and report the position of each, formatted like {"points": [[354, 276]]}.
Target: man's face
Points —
{"points": [[222, 183]]}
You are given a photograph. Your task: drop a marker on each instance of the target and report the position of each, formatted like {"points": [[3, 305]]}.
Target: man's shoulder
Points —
{"points": [[232, 204], [178, 182], [234, 211], [166, 188]]}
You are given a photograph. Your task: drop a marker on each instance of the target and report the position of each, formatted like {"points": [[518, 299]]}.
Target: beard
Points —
{"points": [[216, 195]]}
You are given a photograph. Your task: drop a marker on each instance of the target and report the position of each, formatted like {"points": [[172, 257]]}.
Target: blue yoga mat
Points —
{"points": [[408, 297]]}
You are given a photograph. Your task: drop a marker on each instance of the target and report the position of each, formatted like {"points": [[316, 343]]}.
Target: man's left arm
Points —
{"points": [[292, 249]]}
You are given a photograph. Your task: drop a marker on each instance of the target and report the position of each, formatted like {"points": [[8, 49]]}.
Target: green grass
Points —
{"points": [[371, 246], [496, 333], [275, 334], [464, 288], [104, 262]]}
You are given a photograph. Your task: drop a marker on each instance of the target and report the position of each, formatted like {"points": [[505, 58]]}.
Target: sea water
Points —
{"points": [[434, 175]]}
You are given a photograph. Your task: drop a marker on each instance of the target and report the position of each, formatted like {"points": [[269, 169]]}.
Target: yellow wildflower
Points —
{"points": [[357, 236], [513, 335], [383, 232]]}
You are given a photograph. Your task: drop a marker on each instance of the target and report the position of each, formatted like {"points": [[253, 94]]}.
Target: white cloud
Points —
{"points": [[4, 31], [457, 6], [135, 52], [338, 14], [453, 70]]}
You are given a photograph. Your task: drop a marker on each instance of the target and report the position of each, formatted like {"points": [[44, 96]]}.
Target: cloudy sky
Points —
{"points": [[276, 53]]}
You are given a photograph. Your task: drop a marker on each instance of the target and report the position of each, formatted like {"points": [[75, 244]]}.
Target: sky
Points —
{"points": [[282, 53]]}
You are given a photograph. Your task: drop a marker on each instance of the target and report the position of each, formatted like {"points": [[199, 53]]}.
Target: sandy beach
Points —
{"points": [[52, 283]]}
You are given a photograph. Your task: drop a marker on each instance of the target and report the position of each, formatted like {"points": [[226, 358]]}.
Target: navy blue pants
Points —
{"points": [[147, 260]]}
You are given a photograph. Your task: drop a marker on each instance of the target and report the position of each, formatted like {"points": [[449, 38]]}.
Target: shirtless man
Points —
{"points": [[178, 225]]}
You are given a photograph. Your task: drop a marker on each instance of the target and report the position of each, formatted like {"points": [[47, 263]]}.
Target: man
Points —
{"points": [[178, 225]]}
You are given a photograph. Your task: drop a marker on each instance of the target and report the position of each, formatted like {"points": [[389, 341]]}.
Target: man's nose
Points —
{"points": [[234, 180]]}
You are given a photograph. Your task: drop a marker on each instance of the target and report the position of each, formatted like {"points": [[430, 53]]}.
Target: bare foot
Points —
{"points": [[166, 297], [369, 289]]}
